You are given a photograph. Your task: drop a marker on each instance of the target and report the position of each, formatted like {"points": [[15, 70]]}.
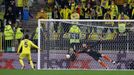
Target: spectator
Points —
{"points": [[105, 5], [25, 3], [56, 15], [72, 5], [88, 6], [50, 3], [42, 14], [123, 16], [65, 14], [99, 11], [133, 14], [74, 37], [114, 10], [91, 3], [93, 13], [63, 3], [26, 15], [75, 15], [108, 16], [1, 20], [30, 3], [57, 2], [120, 3], [83, 2], [7, 4], [88, 12], [131, 5], [81, 10], [8, 34], [10, 15], [69, 4], [13, 6], [126, 9], [122, 25], [93, 16], [35, 34], [19, 9], [19, 33]]}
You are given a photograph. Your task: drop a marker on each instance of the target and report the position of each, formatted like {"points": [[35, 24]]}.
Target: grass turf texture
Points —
{"points": [[66, 72]]}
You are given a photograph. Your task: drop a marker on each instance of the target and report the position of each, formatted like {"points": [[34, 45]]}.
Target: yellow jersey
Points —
{"points": [[65, 13], [105, 3], [26, 46]]}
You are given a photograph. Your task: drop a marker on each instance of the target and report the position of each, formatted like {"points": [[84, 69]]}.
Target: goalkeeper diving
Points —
{"points": [[89, 50], [26, 45]]}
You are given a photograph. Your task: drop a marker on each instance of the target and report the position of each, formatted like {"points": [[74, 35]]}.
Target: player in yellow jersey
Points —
{"points": [[26, 45]]}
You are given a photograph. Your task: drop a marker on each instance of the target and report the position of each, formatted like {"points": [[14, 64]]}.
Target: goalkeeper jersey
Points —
{"points": [[26, 46]]}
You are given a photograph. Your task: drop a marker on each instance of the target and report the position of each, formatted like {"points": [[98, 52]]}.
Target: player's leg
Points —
{"points": [[30, 60], [21, 57], [97, 57], [106, 57], [102, 64]]}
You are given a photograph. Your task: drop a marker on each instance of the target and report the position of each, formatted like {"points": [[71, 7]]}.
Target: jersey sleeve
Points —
{"points": [[33, 45], [19, 47]]}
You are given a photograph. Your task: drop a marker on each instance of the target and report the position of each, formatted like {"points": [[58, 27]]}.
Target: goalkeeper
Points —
{"points": [[26, 45], [89, 49]]}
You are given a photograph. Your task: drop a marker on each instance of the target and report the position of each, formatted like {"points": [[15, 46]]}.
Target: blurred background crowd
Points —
{"points": [[15, 15], [24, 10]]}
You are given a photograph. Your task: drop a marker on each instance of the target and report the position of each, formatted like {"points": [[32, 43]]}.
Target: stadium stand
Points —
{"points": [[19, 11]]}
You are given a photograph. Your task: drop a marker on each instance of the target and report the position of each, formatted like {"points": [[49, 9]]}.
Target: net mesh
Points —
{"points": [[55, 36]]}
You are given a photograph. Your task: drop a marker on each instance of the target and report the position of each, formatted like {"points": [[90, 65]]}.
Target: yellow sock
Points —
{"points": [[21, 62], [32, 65]]}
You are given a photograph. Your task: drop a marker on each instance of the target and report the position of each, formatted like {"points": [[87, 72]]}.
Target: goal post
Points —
{"points": [[38, 63], [54, 37]]}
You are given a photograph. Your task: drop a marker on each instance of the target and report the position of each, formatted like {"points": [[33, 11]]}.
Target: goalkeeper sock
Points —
{"points": [[103, 64], [107, 58], [21, 62], [32, 65]]}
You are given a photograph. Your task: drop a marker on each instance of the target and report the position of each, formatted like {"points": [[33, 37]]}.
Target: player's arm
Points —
{"points": [[34, 45], [81, 51], [19, 47], [95, 44]]}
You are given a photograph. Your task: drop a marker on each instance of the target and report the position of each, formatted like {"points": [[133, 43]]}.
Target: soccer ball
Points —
{"points": [[67, 56]]}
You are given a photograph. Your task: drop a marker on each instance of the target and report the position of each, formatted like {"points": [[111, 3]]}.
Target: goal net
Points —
{"points": [[57, 38]]}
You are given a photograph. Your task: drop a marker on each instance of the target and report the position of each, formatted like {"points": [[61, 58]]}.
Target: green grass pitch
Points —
{"points": [[66, 72]]}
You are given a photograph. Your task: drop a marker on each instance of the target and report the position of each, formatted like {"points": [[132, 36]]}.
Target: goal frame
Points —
{"points": [[58, 20]]}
